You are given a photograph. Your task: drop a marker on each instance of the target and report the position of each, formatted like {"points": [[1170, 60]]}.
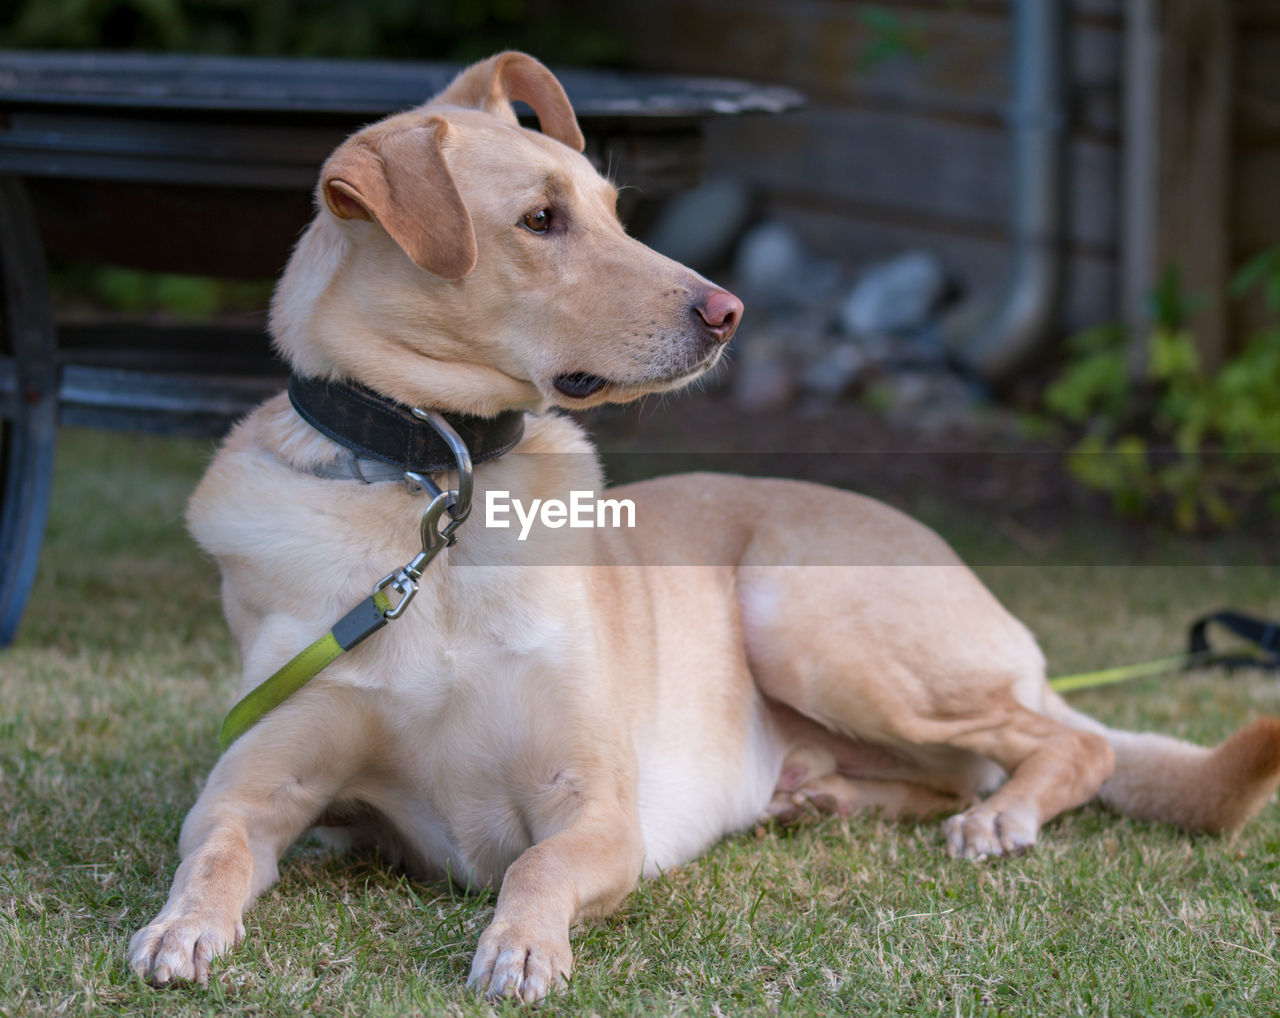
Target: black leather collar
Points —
{"points": [[381, 429]]}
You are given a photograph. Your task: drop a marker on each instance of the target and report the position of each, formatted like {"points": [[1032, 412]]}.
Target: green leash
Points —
{"points": [[366, 618], [1261, 633], [1121, 673], [355, 627]]}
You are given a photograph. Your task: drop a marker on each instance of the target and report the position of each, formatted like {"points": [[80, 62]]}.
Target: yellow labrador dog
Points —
{"points": [[558, 730]]}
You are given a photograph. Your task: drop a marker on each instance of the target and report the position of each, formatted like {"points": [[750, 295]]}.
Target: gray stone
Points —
{"points": [[764, 377], [770, 262], [837, 372], [932, 402], [698, 227], [895, 296]]}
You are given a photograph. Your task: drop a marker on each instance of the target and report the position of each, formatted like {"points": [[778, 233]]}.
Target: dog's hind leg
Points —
{"points": [[825, 773], [835, 793], [922, 662], [1052, 768], [267, 789]]}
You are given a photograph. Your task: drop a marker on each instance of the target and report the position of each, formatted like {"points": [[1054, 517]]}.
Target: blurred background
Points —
{"points": [[1033, 227]]}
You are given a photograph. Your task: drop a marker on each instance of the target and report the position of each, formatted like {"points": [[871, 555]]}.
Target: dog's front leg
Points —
{"points": [[262, 794], [584, 870]]}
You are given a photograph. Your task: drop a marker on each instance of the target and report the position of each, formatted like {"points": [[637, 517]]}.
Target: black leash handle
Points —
{"points": [[1262, 633]]}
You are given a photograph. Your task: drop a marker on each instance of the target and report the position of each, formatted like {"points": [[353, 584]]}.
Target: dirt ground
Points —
{"points": [[846, 444]]}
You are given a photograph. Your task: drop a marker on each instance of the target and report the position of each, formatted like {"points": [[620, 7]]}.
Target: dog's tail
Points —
{"points": [[1194, 787]]}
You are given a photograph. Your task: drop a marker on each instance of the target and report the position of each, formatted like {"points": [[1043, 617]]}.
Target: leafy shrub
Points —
{"points": [[1161, 435], [85, 289]]}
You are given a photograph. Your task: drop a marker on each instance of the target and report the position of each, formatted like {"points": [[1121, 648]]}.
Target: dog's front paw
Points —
{"points": [[525, 963], [180, 947], [985, 831]]}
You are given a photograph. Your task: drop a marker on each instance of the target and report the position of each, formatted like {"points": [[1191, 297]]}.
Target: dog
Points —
{"points": [[555, 729]]}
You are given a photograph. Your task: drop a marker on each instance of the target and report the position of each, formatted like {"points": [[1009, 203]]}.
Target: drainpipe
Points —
{"points": [[1021, 324], [1139, 174]]}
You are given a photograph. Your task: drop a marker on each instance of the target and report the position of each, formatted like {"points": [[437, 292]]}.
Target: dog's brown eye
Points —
{"points": [[539, 221]]}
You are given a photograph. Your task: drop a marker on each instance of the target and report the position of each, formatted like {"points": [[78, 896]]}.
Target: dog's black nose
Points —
{"points": [[720, 312]]}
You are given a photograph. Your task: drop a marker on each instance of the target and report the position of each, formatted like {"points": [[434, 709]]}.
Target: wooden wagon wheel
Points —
{"points": [[30, 405]]}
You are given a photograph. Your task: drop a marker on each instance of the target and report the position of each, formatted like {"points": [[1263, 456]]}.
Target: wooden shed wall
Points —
{"points": [[915, 152], [1255, 219]]}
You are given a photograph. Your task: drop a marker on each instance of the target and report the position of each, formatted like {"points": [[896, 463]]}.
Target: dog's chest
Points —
{"points": [[479, 754]]}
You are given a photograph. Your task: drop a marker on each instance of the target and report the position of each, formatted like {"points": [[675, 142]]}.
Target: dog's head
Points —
{"points": [[461, 261]]}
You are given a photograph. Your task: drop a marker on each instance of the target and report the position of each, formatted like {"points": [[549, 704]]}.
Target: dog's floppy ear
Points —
{"points": [[492, 84], [401, 181]]}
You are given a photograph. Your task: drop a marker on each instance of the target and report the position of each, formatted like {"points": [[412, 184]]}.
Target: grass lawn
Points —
{"points": [[110, 699]]}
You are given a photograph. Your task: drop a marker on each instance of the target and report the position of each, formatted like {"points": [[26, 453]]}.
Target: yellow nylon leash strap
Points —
{"points": [[1262, 634], [1122, 673], [357, 625]]}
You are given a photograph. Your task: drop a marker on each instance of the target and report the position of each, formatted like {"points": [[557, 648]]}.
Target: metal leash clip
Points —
{"points": [[455, 502]]}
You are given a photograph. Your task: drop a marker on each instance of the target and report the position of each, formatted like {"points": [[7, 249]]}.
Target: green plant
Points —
{"points": [[81, 287], [891, 33], [1161, 434]]}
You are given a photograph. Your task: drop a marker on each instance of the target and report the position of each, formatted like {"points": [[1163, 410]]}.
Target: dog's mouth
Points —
{"points": [[579, 384]]}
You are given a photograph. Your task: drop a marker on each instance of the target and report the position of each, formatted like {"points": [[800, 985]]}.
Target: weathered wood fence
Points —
{"points": [[913, 151]]}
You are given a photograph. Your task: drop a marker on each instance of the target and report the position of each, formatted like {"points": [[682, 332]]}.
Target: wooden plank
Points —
{"points": [[1258, 85], [1195, 76], [819, 46], [1255, 213], [979, 265], [1081, 10], [1255, 218], [1258, 13], [172, 229], [919, 167]]}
